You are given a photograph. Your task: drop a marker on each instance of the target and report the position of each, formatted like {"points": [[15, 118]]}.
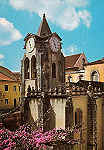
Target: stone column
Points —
{"points": [[103, 124], [91, 124]]}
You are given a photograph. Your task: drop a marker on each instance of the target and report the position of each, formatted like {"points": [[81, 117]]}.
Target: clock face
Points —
{"points": [[55, 44], [30, 44]]}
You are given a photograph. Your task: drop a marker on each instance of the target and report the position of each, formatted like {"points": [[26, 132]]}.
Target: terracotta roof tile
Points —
{"points": [[70, 61], [18, 75], [7, 73], [101, 61], [5, 78]]}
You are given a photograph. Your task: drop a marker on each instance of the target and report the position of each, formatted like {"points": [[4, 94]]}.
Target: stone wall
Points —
{"points": [[99, 121], [58, 106], [50, 109], [80, 102], [96, 67]]}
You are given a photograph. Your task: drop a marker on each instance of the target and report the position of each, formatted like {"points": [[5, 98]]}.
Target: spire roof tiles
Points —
{"points": [[44, 28]]}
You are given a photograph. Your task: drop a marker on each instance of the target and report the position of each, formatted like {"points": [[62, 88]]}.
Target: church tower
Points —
{"points": [[43, 63]]}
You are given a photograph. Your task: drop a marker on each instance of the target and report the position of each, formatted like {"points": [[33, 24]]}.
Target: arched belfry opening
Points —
{"points": [[33, 67], [26, 69], [53, 70]]}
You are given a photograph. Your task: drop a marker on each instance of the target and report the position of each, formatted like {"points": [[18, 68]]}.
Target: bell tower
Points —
{"points": [[42, 66]]}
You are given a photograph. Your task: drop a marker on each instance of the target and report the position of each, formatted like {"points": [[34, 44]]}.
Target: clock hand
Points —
{"points": [[30, 45]]}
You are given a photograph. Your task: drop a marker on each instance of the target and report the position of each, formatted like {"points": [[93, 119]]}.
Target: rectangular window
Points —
{"points": [[19, 99], [19, 88], [6, 87], [15, 102], [14, 88], [6, 101]]}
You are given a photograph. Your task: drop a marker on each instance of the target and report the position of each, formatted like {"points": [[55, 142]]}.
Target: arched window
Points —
{"points": [[26, 68], [53, 70], [33, 67], [60, 70], [78, 117], [14, 102], [81, 77], [95, 76]]}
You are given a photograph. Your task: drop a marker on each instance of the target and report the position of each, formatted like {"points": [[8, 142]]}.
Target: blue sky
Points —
{"points": [[79, 23]]}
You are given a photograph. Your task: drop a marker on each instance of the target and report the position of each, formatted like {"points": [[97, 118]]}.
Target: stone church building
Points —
{"points": [[52, 104]]}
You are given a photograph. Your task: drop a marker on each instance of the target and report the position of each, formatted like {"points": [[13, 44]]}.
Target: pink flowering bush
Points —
{"points": [[25, 138]]}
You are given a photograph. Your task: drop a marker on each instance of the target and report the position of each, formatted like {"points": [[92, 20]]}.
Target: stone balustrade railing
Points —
{"points": [[80, 88], [58, 91]]}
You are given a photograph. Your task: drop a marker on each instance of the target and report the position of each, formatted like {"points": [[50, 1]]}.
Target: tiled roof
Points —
{"points": [[6, 74], [70, 61], [101, 61], [17, 75], [5, 78]]}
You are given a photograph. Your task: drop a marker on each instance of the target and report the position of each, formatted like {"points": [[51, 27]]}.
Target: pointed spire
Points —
{"points": [[44, 15], [44, 28]]}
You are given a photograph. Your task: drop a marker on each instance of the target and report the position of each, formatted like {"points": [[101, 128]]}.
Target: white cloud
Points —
{"points": [[77, 3], [8, 33], [72, 20], [1, 56], [1, 59], [86, 17], [68, 14], [73, 49]]}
